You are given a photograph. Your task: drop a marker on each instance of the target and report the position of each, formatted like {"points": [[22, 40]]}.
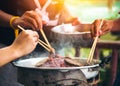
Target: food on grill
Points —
{"points": [[55, 61], [59, 61]]}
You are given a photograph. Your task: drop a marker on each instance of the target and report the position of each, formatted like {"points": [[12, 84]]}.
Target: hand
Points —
{"points": [[74, 21], [26, 42], [30, 19], [105, 28], [44, 15]]}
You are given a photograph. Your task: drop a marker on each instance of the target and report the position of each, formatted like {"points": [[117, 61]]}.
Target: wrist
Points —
{"points": [[15, 51], [84, 27], [13, 26], [12, 19], [8, 54]]}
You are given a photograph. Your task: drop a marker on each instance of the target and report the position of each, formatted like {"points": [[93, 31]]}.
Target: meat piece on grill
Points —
{"points": [[58, 61]]}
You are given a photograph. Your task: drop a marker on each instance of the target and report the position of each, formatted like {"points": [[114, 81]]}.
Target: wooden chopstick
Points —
{"points": [[45, 38], [46, 5], [43, 9], [44, 43], [90, 57], [20, 27], [39, 41], [52, 50], [44, 46], [37, 3]]}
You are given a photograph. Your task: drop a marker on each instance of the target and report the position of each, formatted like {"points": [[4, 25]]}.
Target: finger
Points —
{"points": [[36, 34], [32, 35], [27, 25], [30, 21], [98, 26], [38, 18], [76, 21], [41, 22], [92, 30]]}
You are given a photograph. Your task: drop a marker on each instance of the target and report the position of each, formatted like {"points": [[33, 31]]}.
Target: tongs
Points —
{"points": [[46, 45]]}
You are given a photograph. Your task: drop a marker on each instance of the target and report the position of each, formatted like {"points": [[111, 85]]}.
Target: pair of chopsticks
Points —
{"points": [[90, 57], [44, 7], [46, 46], [41, 30]]}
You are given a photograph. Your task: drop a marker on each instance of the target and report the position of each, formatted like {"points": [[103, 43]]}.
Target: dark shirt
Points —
{"points": [[8, 76], [7, 34]]}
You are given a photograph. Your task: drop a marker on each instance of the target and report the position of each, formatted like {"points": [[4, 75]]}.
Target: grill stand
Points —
{"points": [[32, 77]]}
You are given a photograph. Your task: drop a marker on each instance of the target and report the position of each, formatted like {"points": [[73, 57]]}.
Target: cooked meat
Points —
{"points": [[56, 61], [59, 61]]}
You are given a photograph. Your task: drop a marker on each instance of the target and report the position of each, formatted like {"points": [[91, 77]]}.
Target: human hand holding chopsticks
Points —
{"points": [[105, 28], [46, 46], [90, 57], [30, 19], [45, 18], [24, 44]]}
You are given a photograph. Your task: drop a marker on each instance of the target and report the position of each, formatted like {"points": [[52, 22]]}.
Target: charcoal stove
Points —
{"points": [[30, 77]]}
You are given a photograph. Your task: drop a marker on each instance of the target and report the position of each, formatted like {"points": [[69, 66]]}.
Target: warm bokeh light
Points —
{"points": [[89, 10]]}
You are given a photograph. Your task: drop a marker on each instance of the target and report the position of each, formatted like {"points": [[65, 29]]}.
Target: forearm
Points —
{"points": [[116, 25], [5, 19], [7, 55]]}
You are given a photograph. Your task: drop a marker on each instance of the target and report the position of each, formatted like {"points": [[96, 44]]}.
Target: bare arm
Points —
{"points": [[116, 25], [107, 26], [24, 44], [30, 19], [4, 19], [7, 54]]}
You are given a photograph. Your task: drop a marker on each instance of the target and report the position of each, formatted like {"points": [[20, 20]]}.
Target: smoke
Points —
{"points": [[61, 40], [71, 40]]}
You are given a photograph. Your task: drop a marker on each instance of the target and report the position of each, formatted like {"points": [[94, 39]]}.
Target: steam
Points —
{"points": [[61, 40], [65, 36]]}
